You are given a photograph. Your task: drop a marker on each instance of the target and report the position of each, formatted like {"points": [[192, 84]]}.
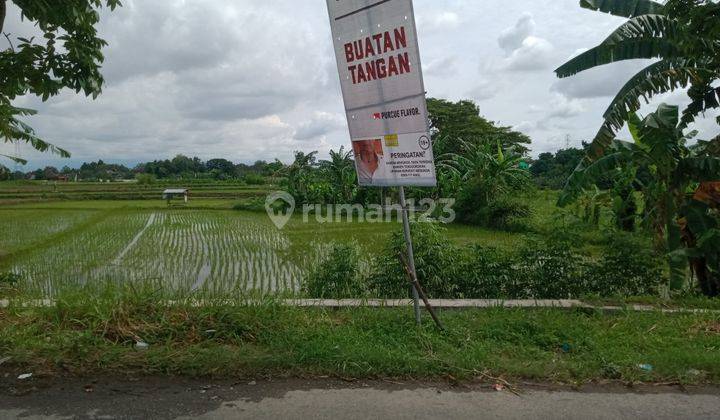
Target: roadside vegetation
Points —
{"points": [[85, 333]]}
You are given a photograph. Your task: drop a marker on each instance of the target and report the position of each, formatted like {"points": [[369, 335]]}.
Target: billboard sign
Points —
{"points": [[378, 58]]}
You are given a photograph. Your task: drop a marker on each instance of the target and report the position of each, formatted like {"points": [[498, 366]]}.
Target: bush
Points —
{"points": [[485, 274], [253, 179], [509, 215], [543, 268], [254, 205], [337, 276], [9, 281], [145, 179], [548, 269], [503, 213], [628, 267], [436, 262]]}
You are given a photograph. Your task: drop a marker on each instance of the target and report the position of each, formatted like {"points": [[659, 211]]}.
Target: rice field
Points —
{"points": [[196, 250], [206, 248]]}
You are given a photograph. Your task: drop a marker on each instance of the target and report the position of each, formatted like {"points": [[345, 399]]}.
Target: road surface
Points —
{"points": [[328, 399]]}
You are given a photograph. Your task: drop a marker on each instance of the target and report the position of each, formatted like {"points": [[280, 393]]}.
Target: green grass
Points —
{"points": [[43, 191], [55, 244], [84, 334]]}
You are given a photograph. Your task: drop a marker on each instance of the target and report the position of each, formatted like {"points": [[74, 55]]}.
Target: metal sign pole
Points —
{"points": [[411, 254]]}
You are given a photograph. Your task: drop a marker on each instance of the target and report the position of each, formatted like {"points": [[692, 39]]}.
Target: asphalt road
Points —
{"points": [[296, 399]]}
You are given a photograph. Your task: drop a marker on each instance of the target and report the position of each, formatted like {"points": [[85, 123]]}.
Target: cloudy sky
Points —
{"points": [[252, 79]]}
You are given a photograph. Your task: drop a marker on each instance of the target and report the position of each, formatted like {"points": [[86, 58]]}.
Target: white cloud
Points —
{"points": [[512, 38], [442, 67], [534, 54], [524, 51], [438, 21], [320, 125], [484, 90], [562, 107], [525, 127]]}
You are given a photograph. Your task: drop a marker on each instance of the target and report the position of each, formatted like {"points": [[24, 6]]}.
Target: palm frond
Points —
{"points": [[623, 8], [15, 159], [586, 176], [629, 49], [660, 77], [702, 169], [646, 26], [710, 99]]}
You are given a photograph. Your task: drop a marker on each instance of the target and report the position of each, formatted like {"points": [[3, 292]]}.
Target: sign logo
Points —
{"points": [[280, 207], [424, 143], [397, 113]]}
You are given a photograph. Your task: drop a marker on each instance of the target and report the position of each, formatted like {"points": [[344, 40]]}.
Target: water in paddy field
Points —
{"points": [[207, 251]]}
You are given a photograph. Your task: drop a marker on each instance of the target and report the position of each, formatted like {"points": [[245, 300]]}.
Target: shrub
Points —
{"points": [[436, 262], [255, 205], [253, 179], [509, 214], [628, 267], [548, 269], [337, 276], [495, 212], [145, 179], [485, 273], [9, 280]]}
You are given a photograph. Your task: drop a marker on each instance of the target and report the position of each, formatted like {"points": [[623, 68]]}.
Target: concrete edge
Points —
{"points": [[436, 303]]}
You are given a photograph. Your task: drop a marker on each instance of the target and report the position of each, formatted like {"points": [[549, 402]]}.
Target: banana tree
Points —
{"points": [[340, 171], [683, 34], [299, 174], [660, 147], [701, 234], [498, 170]]}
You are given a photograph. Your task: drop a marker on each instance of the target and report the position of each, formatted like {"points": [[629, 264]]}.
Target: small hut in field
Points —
{"points": [[171, 194]]}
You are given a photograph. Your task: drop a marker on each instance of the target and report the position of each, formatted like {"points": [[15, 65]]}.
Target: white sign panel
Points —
{"points": [[378, 59]]}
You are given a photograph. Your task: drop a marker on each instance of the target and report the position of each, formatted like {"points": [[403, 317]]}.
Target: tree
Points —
{"points": [[69, 55], [660, 147], [485, 178], [340, 171], [221, 168], [455, 122], [552, 171], [300, 175], [683, 34], [5, 173]]}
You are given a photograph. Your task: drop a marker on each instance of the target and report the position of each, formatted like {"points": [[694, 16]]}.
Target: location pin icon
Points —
{"points": [[280, 219]]}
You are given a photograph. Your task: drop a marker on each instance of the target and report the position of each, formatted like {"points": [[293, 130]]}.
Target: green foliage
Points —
{"points": [[629, 267], [339, 171], [485, 273], [683, 34], [548, 269], [254, 179], [542, 268], [487, 178], [623, 8], [435, 262], [69, 55], [145, 179], [338, 275], [454, 123], [552, 171], [659, 149], [504, 213], [9, 279], [702, 237], [93, 335]]}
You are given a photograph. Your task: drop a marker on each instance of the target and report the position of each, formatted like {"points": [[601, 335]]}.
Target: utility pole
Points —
{"points": [[410, 253]]}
